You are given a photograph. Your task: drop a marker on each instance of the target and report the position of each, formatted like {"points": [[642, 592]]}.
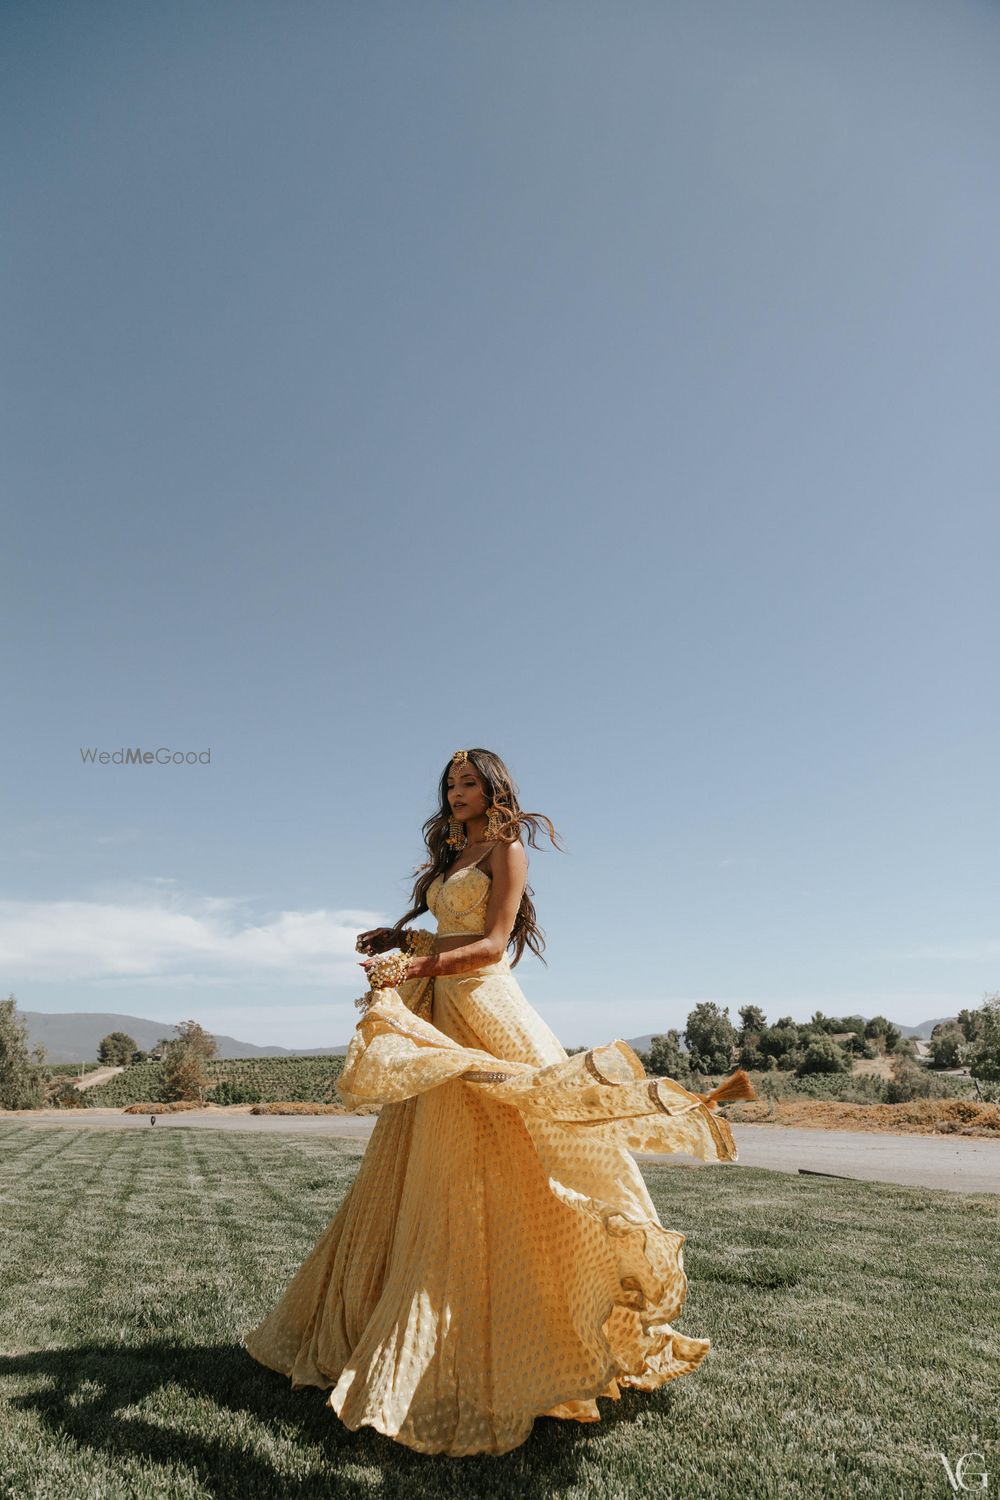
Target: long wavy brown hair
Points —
{"points": [[500, 791]]}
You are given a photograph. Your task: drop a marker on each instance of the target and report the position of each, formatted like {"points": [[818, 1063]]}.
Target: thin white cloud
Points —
{"points": [[170, 937]]}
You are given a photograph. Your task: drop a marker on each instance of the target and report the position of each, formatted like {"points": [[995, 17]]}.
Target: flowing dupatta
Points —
{"points": [[397, 1053]]}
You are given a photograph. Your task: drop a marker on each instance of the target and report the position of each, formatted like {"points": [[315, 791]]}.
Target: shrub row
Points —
{"points": [[845, 1088]]}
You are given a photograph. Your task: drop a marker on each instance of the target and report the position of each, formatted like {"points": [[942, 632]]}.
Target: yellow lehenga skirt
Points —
{"points": [[498, 1256]]}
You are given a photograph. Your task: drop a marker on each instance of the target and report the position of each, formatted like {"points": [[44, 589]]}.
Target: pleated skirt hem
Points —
{"points": [[678, 1356]]}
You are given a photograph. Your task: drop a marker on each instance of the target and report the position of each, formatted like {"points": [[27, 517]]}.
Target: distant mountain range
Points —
{"points": [[73, 1036]]}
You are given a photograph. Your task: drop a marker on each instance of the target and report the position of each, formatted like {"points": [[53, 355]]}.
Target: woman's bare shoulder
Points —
{"points": [[509, 857]]}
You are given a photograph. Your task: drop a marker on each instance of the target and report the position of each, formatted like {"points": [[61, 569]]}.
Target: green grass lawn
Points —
{"points": [[854, 1327]]}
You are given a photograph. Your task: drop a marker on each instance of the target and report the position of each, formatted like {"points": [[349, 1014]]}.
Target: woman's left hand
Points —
{"points": [[418, 969], [377, 939]]}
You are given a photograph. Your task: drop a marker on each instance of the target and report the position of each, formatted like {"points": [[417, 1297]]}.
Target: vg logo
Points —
{"points": [[968, 1473]]}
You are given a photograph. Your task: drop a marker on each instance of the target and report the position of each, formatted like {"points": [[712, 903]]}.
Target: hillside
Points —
{"points": [[73, 1036]]}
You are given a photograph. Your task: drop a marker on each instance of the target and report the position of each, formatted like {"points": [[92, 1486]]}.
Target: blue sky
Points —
{"points": [[613, 386]]}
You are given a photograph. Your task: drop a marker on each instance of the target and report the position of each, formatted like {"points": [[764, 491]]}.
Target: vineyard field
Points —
{"points": [[240, 1080]]}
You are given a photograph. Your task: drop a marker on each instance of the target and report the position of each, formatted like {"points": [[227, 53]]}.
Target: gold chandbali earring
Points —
{"points": [[456, 829], [456, 834], [498, 819]]}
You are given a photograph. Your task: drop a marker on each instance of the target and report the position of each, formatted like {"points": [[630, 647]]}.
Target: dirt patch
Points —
{"points": [[175, 1107], [919, 1117], [872, 1067], [178, 1106], [298, 1108]]}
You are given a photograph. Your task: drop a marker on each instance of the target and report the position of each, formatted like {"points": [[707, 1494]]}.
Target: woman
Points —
{"points": [[498, 1256]]}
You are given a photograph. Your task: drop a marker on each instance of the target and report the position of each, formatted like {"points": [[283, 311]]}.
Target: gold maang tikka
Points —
{"points": [[456, 829]]}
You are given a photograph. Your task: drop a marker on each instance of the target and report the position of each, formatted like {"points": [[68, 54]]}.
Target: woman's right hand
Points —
{"points": [[377, 940]]}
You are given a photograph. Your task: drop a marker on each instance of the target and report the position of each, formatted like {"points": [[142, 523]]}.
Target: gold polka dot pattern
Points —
{"points": [[498, 1257]]}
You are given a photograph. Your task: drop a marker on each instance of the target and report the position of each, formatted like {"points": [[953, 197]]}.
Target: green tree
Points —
{"points": [[710, 1037], [984, 1052], [823, 1055], [117, 1049], [781, 1042], [971, 1022], [752, 1023], [882, 1033], [947, 1046], [22, 1076], [184, 1059], [752, 1058], [665, 1058]]}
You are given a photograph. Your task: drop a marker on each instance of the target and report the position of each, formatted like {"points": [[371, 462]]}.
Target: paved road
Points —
{"points": [[963, 1164]]}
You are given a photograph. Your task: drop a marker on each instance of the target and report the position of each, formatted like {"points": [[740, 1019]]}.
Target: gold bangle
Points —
{"points": [[386, 974], [418, 940]]}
